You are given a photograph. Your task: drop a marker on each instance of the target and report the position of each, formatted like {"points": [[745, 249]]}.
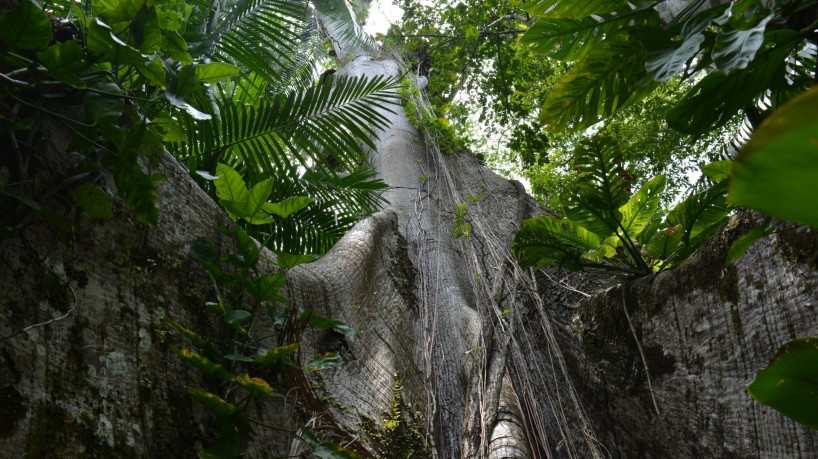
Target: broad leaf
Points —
{"points": [[572, 8], [204, 364], [212, 402], [277, 353], [718, 170], [215, 71], [743, 244], [736, 48], [700, 212], [604, 186], [64, 61], [324, 450], [316, 321], [638, 212], [289, 260], [667, 59], [715, 99], [546, 239], [665, 243], [777, 170], [267, 286], [609, 78], [790, 382], [25, 27], [323, 362], [230, 186], [288, 206], [93, 200], [571, 39], [255, 386]]}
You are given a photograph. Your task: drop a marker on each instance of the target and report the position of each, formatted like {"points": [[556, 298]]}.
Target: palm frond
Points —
{"points": [[303, 127], [263, 36], [339, 15], [341, 200]]}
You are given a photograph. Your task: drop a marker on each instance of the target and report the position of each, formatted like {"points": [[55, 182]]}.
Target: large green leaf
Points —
{"points": [[571, 39], [609, 78], [546, 239], [665, 243], [573, 9], [790, 382], [777, 170], [638, 212], [25, 27], [215, 71], [305, 126], [64, 61], [212, 402], [229, 184], [700, 212], [715, 99], [736, 48], [743, 244], [604, 186]]}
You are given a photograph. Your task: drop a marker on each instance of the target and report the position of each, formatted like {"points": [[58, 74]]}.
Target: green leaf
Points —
{"points": [[700, 212], [665, 243], [215, 72], [777, 169], [743, 244], [572, 39], [323, 362], [64, 61], [572, 8], [104, 103], [604, 186], [204, 364], [715, 99], [101, 42], [230, 186], [288, 206], [212, 402], [24, 27], [277, 353], [546, 239], [668, 59], [93, 200], [228, 443], [255, 386], [256, 201], [736, 48], [267, 286], [718, 170], [238, 316], [609, 78], [316, 321], [638, 212], [288, 260], [247, 247], [324, 450], [789, 384]]}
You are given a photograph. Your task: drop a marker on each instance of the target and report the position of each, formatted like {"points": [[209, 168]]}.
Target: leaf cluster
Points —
{"points": [[609, 229]]}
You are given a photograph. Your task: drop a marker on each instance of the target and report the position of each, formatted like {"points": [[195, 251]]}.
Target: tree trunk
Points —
{"points": [[494, 361]]}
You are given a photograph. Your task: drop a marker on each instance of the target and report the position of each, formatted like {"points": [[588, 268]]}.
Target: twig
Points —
{"points": [[641, 353], [50, 321]]}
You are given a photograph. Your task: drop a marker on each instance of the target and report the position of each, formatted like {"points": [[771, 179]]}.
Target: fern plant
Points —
{"points": [[609, 229]]}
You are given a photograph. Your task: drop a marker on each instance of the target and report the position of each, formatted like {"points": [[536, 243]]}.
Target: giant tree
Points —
{"points": [[457, 351]]}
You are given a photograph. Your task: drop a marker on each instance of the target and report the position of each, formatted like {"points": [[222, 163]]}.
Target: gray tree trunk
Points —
{"points": [[495, 361]]}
